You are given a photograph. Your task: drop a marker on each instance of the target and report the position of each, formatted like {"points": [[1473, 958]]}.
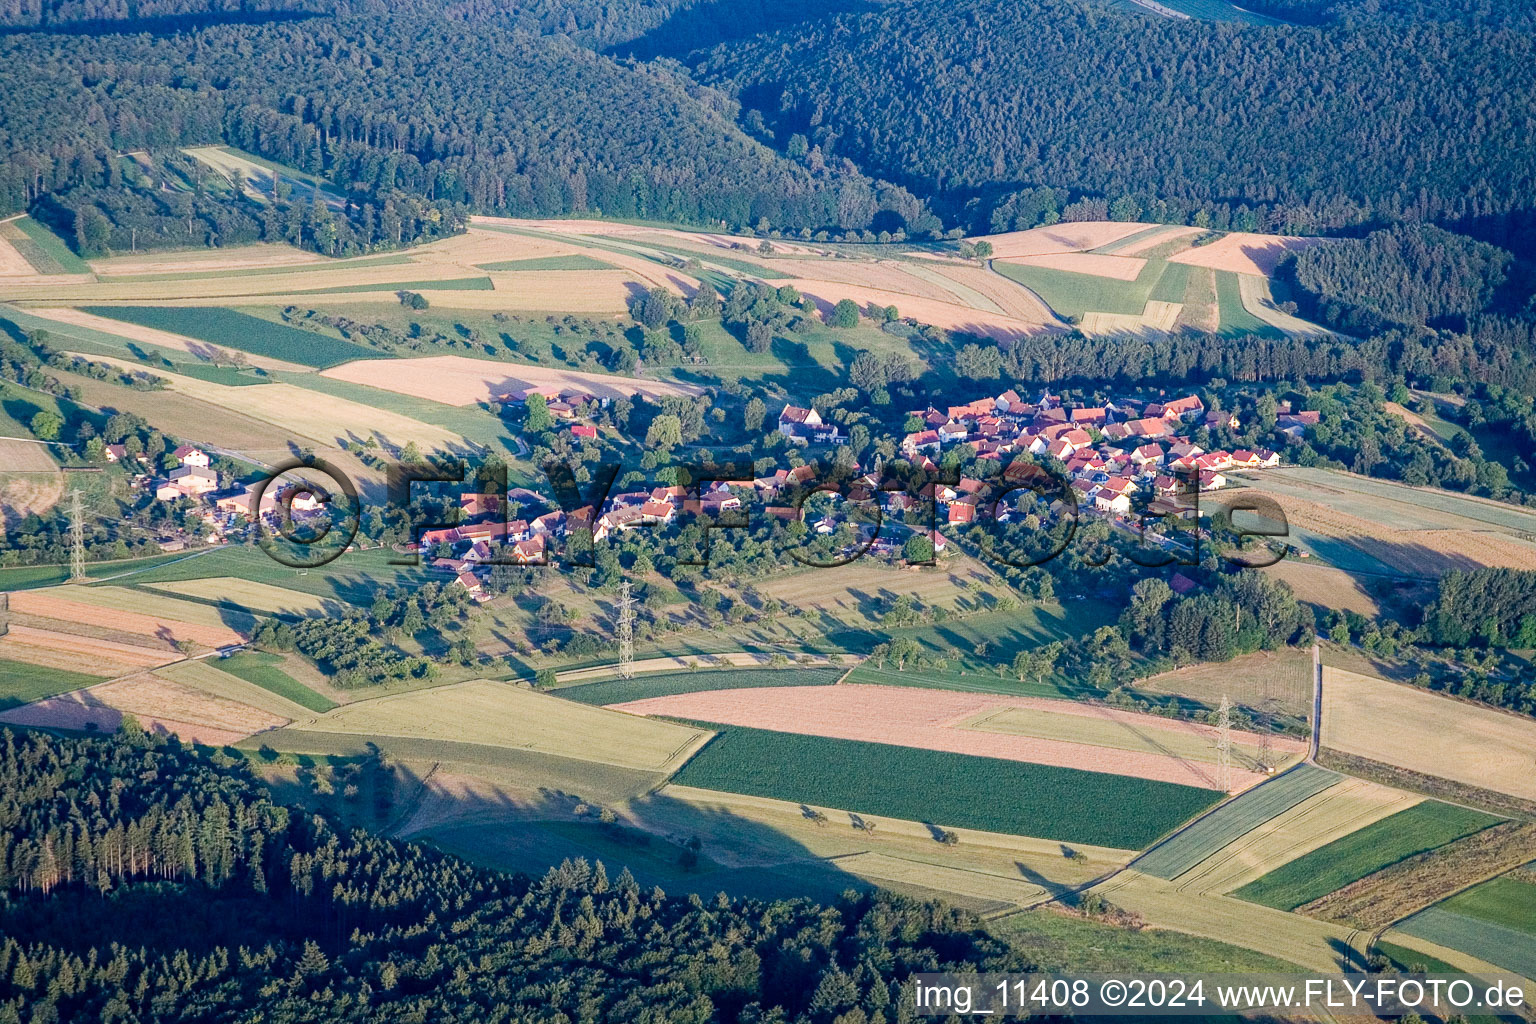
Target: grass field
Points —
{"points": [[22, 683], [1235, 318], [393, 259], [1067, 943], [452, 284], [1429, 733], [1073, 295], [500, 714], [212, 676], [1421, 827], [263, 670], [1506, 901], [575, 261], [1284, 676], [354, 578], [250, 596], [1511, 948], [1235, 819], [231, 329], [667, 684], [944, 788], [52, 246]]}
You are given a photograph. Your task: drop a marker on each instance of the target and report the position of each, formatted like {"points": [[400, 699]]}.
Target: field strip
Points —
{"points": [[1421, 501], [256, 256], [250, 595], [461, 381], [738, 659], [298, 410], [955, 287], [927, 719], [12, 263], [1459, 957], [1008, 295], [1424, 732], [1311, 944], [150, 336], [1258, 300], [1117, 268], [131, 612], [1310, 825], [161, 707], [1143, 243], [1234, 819], [504, 715], [20, 456], [206, 677], [1069, 237], [977, 884], [1244, 253], [25, 637], [946, 315], [1511, 950]]}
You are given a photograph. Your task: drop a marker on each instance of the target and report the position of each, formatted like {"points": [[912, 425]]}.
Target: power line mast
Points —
{"points": [[626, 632], [1224, 744], [76, 540]]}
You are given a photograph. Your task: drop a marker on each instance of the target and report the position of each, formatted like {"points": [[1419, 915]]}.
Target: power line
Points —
{"points": [[1224, 744], [76, 539]]}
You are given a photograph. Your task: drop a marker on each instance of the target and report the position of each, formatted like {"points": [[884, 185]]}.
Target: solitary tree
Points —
{"points": [[845, 313]]}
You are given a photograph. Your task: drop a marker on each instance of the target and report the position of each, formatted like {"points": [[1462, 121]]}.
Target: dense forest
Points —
{"points": [[142, 882], [1290, 129]]}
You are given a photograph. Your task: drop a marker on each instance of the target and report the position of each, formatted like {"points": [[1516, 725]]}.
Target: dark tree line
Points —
{"points": [[1177, 121], [1494, 607], [102, 839]]}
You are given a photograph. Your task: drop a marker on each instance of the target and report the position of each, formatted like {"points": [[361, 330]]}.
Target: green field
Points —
{"points": [[26, 577], [1072, 294], [575, 261], [1506, 901], [1235, 318], [230, 329], [52, 246], [1171, 285], [355, 577], [1511, 948], [954, 790], [263, 669], [1065, 942], [1421, 827], [1235, 819], [666, 684], [21, 683]]}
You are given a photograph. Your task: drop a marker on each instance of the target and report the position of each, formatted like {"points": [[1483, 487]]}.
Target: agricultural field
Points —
{"points": [[46, 251], [213, 676], [249, 596], [1345, 807], [1064, 734], [504, 715], [78, 650], [1427, 733], [1241, 253], [1235, 819], [1283, 677], [159, 705], [22, 683], [1077, 236], [19, 456], [668, 684], [1495, 921], [1414, 830], [137, 613], [576, 261], [945, 788], [266, 671], [231, 329], [458, 380]]}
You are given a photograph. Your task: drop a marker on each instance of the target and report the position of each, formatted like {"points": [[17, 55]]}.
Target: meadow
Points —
{"points": [[229, 328], [668, 684], [575, 261], [1511, 948], [1235, 819], [263, 670], [247, 595], [22, 683], [354, 578], [943, 788], [56, 256], [1417, 829]]}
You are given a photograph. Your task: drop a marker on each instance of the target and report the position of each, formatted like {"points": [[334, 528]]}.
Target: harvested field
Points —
{"points": [[205, 677], [1235, 819], [1413, 884], [250, 595], [963, 292], [238, 257], [1161, 316], [12, 262], [1064, 734], [942, 787], [152, 336], [1118, 268], [1396, 505], [1001, 892], [1284, 676], [884, 275], [612, 692], [1424, 732], [1324, 586], [301, 412], [1243, 253], [459, 380], [1073, 237], [54, 649], [1009, 296], [161, 707], [1419, 552], [1346, 807], [131, 612], [1258, 300], [576, 261], [1414, 830], [1162, 241], [1200, 311], [503, 715], [950, 316], [21, 493], [26, 457], [1312, 944]]}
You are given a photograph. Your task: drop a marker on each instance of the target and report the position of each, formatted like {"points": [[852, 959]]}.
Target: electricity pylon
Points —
{"points": [[76, 540], [1224, 744], [626, 632]]}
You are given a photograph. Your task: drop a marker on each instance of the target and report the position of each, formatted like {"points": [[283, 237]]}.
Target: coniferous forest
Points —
{"points": [[141, 882]]}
